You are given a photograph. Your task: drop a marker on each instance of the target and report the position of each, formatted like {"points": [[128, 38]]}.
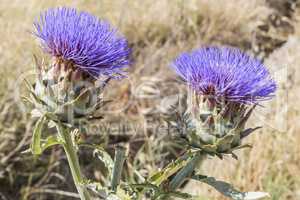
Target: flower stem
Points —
{"points": [[186, 171], [73, 161], [118, 167]]}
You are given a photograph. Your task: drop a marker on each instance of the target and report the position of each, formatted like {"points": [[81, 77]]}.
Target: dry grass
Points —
{"points": [[158, 31]]}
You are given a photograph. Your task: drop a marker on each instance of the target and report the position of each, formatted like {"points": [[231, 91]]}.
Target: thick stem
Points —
{"points": [[73, 162], [118, 167], [186, 171]]}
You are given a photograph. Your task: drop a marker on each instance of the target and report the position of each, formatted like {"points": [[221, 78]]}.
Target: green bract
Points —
{"points": [[219, 126], [63, 93]]}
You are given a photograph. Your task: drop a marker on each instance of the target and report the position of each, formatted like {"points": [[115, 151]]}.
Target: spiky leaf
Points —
{"points": [[228, 190], [36, 147]]}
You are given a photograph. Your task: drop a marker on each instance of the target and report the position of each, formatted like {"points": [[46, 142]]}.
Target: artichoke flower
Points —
{"points": [[66, 94], [226, 85], [85, 50]]}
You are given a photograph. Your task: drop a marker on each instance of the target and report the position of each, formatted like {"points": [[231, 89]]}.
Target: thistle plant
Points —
{"points": [[225, 86], [67, 93]]}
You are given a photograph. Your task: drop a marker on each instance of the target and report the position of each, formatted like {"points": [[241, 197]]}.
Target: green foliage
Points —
{"points": [[23, 176], [36, 147], [228, 190], [169, 170]]}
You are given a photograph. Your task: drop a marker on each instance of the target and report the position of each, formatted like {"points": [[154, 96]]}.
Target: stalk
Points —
{"points": [[73, 162], [186, 171], [118, 167]]}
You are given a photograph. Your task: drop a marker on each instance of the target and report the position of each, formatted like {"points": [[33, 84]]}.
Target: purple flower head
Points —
{"points": [[225, 73], [89, 43]]}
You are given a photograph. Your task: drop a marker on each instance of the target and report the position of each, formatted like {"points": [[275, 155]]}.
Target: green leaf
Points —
{"points": [[33, 96], [103, 156], [120, 157], [50, 141], [186, 171], [36, 148], [97, 189], [209, 148], [224, 144], [248, 131], [144, 185], [227, 189], [170, 195], [158, 193], [122, 194], [106, 193], [170, 169]]}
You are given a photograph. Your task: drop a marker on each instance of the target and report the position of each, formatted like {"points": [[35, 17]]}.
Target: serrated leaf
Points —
{"points": [[228, 190], [36, 148]]}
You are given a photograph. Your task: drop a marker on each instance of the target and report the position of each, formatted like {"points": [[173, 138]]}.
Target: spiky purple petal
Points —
{"points": [[90, 43], [225, 73]]}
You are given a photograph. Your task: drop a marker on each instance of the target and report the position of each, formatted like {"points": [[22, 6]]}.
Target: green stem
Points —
{"points": [[73, 161], [186, 171], [118, 167]]}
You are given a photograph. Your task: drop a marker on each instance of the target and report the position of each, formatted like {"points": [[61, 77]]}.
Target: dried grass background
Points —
{"points": [[158, 31]]}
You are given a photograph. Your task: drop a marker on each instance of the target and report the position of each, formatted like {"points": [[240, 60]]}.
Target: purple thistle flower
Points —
{"points": [[89, 43], [225, 73]]}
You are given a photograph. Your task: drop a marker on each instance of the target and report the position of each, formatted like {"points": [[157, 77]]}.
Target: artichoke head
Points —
{"points": [[65, 93], [219, 126]]}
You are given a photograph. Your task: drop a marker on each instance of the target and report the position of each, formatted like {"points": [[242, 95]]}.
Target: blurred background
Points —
{"points": [[157, 31]]}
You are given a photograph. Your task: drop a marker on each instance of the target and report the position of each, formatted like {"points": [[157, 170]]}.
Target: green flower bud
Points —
{"points": [[66, 93], [219, 126]]}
